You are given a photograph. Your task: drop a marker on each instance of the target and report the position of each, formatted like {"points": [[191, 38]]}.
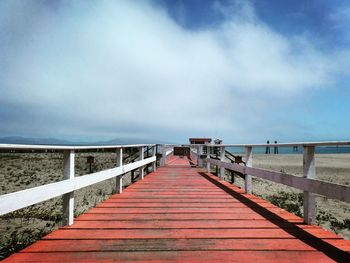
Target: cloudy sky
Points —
{"points": [[243, 71]]}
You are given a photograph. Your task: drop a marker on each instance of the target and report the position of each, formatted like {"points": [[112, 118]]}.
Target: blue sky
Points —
{"points": [[243, 71]]}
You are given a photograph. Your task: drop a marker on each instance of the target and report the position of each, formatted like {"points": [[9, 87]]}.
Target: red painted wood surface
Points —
{"points": [[181, 214]]}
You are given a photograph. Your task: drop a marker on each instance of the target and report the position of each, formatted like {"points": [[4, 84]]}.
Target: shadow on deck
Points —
{"points": [[183, 214]]}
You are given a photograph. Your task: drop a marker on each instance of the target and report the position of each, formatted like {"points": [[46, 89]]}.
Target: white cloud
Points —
{"points": [[112, 64]]}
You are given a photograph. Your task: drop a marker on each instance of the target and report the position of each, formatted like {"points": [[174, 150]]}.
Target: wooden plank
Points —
{"points": [[178, 200], [306, 233], [179, 245], [184, 224], [175, 256], [181, 205], [170, 210], [185, 216]]}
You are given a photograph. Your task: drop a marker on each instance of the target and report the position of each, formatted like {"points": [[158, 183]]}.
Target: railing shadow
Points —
{"points": [[331, 251]]}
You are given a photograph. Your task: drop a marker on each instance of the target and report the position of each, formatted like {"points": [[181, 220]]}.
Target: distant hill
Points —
{"points": [[23, 140], [54, 141]]}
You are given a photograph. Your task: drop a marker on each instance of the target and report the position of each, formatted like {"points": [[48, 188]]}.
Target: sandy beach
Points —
{"points": [[22, 171]]}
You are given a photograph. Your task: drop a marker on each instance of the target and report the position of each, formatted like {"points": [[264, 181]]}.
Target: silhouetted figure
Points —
{"points": [[295, 148], [276, 148], [267, 148]]}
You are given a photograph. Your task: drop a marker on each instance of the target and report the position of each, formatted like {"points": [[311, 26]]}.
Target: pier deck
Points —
{"points": [[184, 214]]}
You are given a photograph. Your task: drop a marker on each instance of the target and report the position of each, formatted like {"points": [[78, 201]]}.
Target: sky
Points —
{"points": [[243, 71]]}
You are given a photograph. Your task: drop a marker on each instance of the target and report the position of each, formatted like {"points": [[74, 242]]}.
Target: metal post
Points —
{"points": [[68, 198], [309, 172], [222, 159], [208, 157], [249, 163], [141, 156], [119, 179]]}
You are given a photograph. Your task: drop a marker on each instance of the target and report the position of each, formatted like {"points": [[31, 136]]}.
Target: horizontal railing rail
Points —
{"points": [[62, 148], [328, 189], [289, 144], [308, 183], [24, 198]]}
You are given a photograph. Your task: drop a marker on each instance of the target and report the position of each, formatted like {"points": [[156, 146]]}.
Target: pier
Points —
{"points": [[180, 211]]}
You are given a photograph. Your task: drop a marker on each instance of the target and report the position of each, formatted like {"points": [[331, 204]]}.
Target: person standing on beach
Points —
{"points": [[267, 148], [276, 148]]}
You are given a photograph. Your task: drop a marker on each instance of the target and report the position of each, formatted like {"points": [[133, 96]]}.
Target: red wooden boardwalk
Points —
{"points": [[182, 214]]}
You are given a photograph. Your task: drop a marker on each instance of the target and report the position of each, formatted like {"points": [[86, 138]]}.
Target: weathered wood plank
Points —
{"points": [[179, 245], [170, 210], [306, 233], [227, 206], [175, 256], [185, 224], [186, 216]]}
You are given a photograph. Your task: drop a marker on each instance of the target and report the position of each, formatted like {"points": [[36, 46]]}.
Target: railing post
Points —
{"points": [[249, 163], [119, 179], [216, 149], [199, 160], [68, 198], [309, 172], [154, 153], [163, 158], [141, 156], [222, 159], [208, 157]]}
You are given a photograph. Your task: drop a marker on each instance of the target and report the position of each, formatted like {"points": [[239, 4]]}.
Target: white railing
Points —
{"points": [[65, 188], [308, 183], [165, 152]]}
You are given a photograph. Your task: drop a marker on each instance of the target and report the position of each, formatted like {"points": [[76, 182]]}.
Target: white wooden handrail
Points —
{"points": [[20, 199], [289, 144], [17, 200], [308, 183], [328, 189], [68, 147]]}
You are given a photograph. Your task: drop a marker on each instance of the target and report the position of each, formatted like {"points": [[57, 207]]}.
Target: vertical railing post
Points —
{"points": [[208, 157], [216, 149], [249, 163], [199, 161], [68, 198], [141, 156], [163, 158], [154, 153], [222, 159], [119, 179], [309, 172]]}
